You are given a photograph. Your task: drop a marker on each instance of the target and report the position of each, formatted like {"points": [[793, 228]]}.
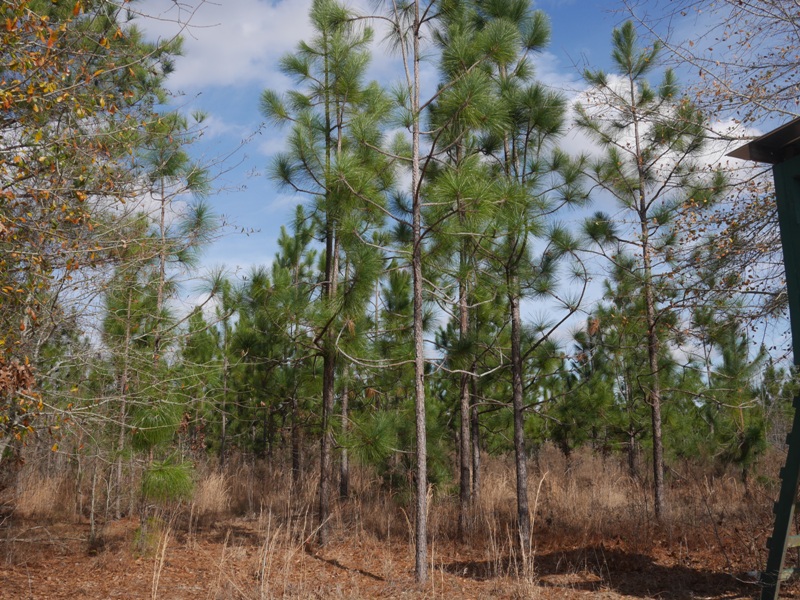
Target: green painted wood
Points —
{"points": [[787, 192]]}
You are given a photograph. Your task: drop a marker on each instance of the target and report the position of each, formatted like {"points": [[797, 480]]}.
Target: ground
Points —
{"points": [[252, 559]]}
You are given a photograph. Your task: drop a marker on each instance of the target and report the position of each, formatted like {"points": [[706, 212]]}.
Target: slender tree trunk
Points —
{"points": [[123, 408], [297, 466], [223, 437], [329, 291], [328, 397], [476, 453], [92, 510], [523, 512], [344, 465], [465, 450], [655, 396], [421, 537], [654, 393], [162, 273]]}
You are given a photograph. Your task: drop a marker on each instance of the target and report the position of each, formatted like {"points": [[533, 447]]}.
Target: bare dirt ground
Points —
{"points": [[248, 559]]}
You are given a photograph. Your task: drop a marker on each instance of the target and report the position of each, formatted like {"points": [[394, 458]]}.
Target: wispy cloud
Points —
{"points": [[227, 43]]}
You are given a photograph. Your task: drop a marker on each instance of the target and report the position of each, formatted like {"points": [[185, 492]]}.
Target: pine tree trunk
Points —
{"points": [[297, 466], [328, 389], [476, 454], [344, 465], [224, 408], [523, 512], [465, 448], [123, 407], [654, 393], [632, 470], [162, 274], [421, 534]]}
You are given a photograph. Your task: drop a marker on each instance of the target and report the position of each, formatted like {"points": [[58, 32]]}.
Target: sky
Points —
{"points": [[231, 54]]}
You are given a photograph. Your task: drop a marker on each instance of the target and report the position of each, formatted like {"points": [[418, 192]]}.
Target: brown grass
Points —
{"points": [[43, 497], [592, 520], [211, 497]]}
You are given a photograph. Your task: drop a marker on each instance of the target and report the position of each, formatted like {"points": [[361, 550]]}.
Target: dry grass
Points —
{"points": [[42, 497], [593, 531], [211, 497], [586, 514]]}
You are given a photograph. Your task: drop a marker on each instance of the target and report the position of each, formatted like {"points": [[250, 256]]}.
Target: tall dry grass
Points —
{"points": [[589, 501], [43, 497]]}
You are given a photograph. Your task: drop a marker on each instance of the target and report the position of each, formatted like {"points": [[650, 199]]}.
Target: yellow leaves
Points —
{"points": [[55, 447], [77, 8]]}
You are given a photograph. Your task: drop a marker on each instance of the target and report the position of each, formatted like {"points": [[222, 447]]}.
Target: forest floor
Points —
{"points": [[231, 560], [249, 534], [238, 559]]}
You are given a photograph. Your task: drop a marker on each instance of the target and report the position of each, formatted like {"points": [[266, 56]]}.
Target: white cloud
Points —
{"points": [[227, 42], [272, 145], [214, 126], [284, 202]]}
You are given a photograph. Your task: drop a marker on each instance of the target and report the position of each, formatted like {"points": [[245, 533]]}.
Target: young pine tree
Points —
{"points": [[651, 141]]}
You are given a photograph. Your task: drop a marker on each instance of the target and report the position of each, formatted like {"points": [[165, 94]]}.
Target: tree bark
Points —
{"points": [[654, 393], [465, 444], [523, 511], [344, 465], [123, 407], [224, 431], [476, 453], [297, 467], [421, 533]]}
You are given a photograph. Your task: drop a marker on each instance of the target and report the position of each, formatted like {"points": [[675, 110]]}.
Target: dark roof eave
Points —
{"points": [[774, 147]]}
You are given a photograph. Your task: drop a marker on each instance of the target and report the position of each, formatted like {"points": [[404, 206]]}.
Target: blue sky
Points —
{"points": [[231, 50], [231, 53]]}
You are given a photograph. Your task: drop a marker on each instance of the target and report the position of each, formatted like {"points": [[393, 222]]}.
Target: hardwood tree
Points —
{"points": [[78, 84], [740, 58]]}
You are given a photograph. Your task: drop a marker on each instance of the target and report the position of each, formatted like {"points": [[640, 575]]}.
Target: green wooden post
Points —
{"points": [[787, 193], [781, 148]]}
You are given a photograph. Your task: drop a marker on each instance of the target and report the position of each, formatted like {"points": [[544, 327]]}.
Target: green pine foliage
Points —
{"points": [[315, 359]]}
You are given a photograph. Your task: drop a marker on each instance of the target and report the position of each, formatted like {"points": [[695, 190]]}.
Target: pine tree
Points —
{"points": [[650, 139], [332, 105], [534, 180]]}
